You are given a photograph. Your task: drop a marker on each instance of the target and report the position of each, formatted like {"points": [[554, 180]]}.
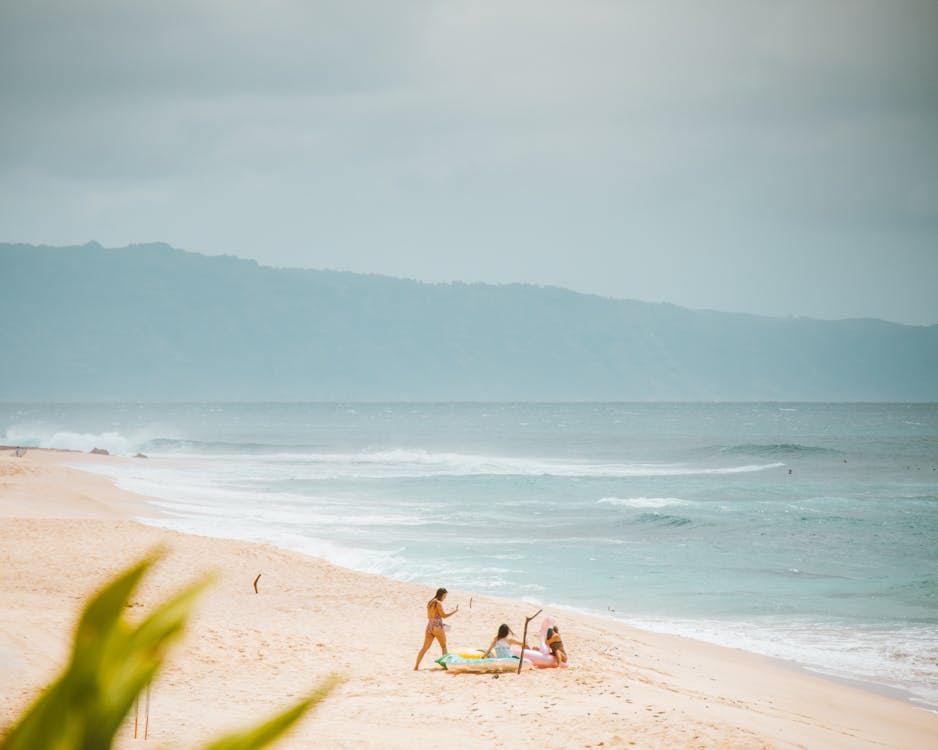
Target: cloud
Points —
{"points": [[594, 144]]}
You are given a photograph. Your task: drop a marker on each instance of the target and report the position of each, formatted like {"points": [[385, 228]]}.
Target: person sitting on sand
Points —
{"points": [[502, 644], [556, 645], [435, 629]]}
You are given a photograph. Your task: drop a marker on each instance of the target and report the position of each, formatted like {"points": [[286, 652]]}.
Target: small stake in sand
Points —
{"points": [[524, 638], [146, 714], [146, 724], [255, 582]]}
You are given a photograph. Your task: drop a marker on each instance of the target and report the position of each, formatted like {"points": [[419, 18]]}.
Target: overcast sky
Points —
{"points": [[775, 157]]}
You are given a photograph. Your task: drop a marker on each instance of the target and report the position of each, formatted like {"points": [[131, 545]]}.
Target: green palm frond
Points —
{"points": [[263, 734], [112, 661]]}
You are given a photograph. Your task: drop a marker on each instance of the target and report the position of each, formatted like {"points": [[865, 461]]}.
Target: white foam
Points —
{"points": [[903, 658], [643, 502], [381, 464], [40, 435]]}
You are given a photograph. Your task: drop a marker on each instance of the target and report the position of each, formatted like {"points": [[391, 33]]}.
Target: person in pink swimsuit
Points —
{"points": [[435, 628]]}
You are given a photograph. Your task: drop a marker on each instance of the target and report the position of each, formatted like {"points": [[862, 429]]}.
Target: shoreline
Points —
{"points": [[856, 683], [676, 628], [64, 530]]}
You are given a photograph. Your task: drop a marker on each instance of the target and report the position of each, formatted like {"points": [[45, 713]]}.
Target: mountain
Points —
{"points": [[154, 323]]}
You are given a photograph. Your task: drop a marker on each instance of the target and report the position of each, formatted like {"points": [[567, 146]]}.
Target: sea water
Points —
{"points": [[807, 532]]}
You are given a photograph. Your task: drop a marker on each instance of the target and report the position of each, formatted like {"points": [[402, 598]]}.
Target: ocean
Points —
{"points": [[805, 532]]}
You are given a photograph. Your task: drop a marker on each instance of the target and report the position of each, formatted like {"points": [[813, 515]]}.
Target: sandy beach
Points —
{"points": [[64, 532]]}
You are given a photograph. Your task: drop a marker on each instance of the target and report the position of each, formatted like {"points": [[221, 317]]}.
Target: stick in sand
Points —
{"points": [[136, 713], [255, 582], [524, 638], [146, 724]]}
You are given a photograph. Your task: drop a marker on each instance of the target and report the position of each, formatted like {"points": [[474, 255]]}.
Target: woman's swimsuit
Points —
{"points": [[435, 622], [502, 649]]}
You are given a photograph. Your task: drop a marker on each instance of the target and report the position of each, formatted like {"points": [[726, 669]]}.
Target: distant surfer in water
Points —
{"points": [[435, 627]]}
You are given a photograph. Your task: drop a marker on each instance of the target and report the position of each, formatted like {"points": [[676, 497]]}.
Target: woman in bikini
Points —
{"points": [[556, 645], [502, 642], [435, 617]]}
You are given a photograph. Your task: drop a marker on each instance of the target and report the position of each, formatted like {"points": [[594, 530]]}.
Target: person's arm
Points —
{"points": [[489, 649], [448, 614]]}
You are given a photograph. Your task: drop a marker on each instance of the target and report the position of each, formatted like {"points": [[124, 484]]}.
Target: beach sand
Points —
{"points": [[64, 532]]}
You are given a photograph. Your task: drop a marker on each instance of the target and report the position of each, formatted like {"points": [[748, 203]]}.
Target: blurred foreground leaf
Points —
{"points": [[111, 663], [265, 733]]}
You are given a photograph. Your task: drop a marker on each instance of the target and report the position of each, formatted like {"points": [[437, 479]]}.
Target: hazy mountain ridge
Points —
{"points": [[150, 322]]}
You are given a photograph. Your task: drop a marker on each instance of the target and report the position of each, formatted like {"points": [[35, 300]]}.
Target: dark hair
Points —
{"points": [[503, 630], [439, 592]]}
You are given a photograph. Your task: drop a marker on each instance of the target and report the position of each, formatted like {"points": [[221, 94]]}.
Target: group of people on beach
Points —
{"points": [[501, 644]]}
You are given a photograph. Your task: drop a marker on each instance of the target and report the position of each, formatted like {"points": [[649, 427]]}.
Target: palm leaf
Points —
{"points": [[111, 663], [263, 734]]}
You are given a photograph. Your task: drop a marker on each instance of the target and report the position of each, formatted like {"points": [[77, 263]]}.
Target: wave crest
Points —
{"points": [[663, 519], [643, 502], [777, 450]]}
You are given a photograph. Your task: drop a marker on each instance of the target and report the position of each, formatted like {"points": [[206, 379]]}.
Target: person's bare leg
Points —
{"points": [[442, 640], [428, 639]]}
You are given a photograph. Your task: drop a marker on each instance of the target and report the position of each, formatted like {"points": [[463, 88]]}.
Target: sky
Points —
{"points": [[776, 157]]}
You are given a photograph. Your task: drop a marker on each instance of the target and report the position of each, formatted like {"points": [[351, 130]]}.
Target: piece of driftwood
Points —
{"points": [[524, 637], [255, 582]]}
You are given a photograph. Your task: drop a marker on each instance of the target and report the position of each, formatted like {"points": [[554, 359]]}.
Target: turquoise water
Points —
{"points": [[802, 531]]}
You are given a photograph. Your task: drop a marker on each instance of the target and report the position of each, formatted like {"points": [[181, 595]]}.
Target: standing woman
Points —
{"points": [[435, 617]]}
